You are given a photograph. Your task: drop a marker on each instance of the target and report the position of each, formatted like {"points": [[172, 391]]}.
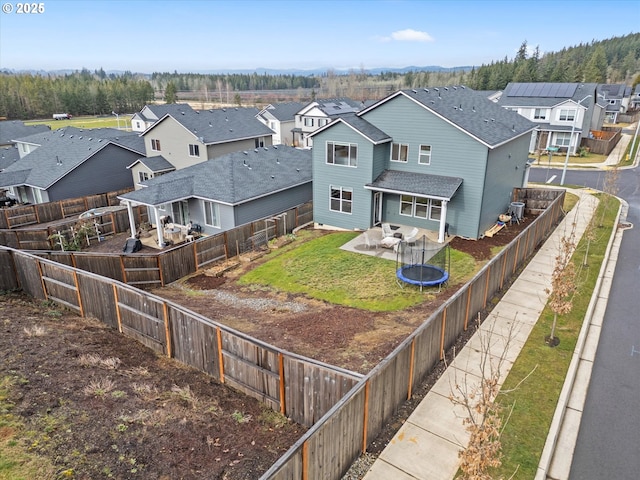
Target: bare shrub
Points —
{"points": [[99, 388]]}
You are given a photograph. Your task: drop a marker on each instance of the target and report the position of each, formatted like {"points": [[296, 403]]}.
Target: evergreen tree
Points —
{"points": [[171, 93], [595, 71]]}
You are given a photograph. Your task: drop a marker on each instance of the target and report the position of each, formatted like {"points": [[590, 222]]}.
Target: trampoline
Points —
{"points": [[424, 275], [423, 263]]}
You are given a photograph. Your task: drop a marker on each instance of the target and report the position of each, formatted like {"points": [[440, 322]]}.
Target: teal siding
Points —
{"points": [[325, 175], [505, 170], [453, 154]]}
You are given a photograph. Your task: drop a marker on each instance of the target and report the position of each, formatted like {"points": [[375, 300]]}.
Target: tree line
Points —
{"points": [[27, 96]]}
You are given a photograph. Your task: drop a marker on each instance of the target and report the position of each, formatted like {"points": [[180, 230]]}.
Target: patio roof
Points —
{"points": [[419, 184]]}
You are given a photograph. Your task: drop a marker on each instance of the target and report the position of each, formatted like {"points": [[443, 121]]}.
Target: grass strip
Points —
{"points": [[534, 401]]}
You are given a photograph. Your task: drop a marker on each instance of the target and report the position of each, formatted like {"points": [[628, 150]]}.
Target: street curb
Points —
{"points": [[565, 394]]}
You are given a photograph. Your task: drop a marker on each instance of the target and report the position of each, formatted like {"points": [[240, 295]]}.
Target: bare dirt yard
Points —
{"points": [[99, 405]]}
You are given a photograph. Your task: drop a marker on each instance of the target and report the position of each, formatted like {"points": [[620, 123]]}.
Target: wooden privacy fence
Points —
{"points": [[298, 387], [166, 266], [329, 448], [22, 215]]}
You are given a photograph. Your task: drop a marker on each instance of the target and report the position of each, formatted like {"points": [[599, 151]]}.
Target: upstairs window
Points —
{"points": [[399, 152], [194, 150], [540, 114], [155, 145], [345, 154], [308, 122], [567, 115], [143, 176], [424, 157]]}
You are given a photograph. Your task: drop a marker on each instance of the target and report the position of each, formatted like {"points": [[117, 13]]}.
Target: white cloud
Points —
{"points": [[408, 35]]}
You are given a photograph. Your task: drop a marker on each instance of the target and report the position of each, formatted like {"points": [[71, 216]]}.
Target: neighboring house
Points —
{"points": [[317, 114], [616, 97], [150, 114], [8, 156], [564, 112], [193, 137], [146, 168], [635, 98], [280, 117], [228, 191], [71, 162], [443, 159], [10, 130]]}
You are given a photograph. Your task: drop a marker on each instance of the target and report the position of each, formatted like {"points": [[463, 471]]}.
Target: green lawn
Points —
{"points": [[534, 401], [321, 270]]}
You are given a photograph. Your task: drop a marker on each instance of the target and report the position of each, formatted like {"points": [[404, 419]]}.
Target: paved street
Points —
{"points": [[607, 442]]}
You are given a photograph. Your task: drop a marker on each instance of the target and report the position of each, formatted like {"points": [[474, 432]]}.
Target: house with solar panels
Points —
{"points": [[564, 112], [444, 159]]}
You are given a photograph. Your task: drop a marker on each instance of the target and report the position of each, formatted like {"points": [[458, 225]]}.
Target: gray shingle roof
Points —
{"points": [[285, 111], [420, 184], [222, 125], [63, 150], [470, 111], [11, 130], [8, 156], [160, 111], [232, 179], [157, 163], [338, 106], [370, 131]]}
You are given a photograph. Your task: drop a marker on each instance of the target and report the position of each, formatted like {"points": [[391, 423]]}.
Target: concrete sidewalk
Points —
{"points": [[427, 445]]}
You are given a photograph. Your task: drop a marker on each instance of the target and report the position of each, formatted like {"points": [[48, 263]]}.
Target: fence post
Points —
{"points": [[124, 272], [117, 301], [220, 357], [165, 311], [44, 286], [160, 269], [466, 314], [75, 278], [282, 387], [365, 419], [515, 257], [486, 286], [412, 359], [444, 326]]}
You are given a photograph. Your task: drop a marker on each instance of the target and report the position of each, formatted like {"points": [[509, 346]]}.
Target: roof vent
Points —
{"points": [[181, 113], [297, 169], [231, 129], [245, 152], [473, 109], [255, 150], [460, 107], [414, 91], [275, 146], [455, 88], [446, 88], [455, 108], [426, 90], [462, 87], [224, 109], [437, 89], [273, 176], [80, 137], [210, 124], [493, 119], [278, 161]]}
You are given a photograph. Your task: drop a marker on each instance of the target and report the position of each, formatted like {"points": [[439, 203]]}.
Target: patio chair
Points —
{"points": [[386, 230], [369, 242], [412, 236]]}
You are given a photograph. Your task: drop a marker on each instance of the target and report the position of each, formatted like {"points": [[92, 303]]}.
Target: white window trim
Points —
{"points": [[541, 113], [192, 148], [353, 163], [155, 145], [430, 206], [420, 154], [341, 199], [401, 146], [216, 213], [569, 113]]}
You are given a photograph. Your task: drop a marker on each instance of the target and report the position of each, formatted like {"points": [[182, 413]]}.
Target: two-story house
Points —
{"points": [[280, 117], [71, 162], [564, 112], [150, 114], [317, 114], [443, 159], [193, 136], [616, 98]]}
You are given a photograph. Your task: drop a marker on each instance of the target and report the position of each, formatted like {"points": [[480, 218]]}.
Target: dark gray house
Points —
{"points": [[427, 158], [228, 191], [71, 162]]}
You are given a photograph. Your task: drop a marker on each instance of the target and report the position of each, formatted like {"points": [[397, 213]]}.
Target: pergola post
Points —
{"points": [[132, 221], [443, 221]]}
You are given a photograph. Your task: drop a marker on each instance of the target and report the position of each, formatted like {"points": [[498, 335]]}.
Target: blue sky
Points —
{"points": [[189, 36]]}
